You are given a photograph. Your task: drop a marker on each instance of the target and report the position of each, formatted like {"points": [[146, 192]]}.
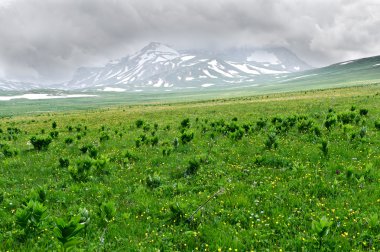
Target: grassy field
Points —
{"points": [[279, 172]]}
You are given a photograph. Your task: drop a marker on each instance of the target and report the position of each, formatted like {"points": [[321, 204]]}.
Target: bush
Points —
{"points": [[30, 216], [347, 117], [153, 181], [271, 141], [8, 151], [139, 123], [185, 123], [377, 124], [40, 143], [305, 125], [363, 112], [64, 162], [69, 140], [81, 171], [104, 137], [54, 134], [193, 167], [186, 137], [330, 121]]}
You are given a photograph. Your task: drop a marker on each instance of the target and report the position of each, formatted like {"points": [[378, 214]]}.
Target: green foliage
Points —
{"points": [[139, 123], [185, 123], [193, 167], [30, 216], [187, 136], [40, 143], [165, 190], [325, 148], [81, 171], [321, 228], [64, 162], [8, 151], [153, 181], [66, 231], [271, 142], [363, 112], [107, 212], [54, 134], [377, 124]]}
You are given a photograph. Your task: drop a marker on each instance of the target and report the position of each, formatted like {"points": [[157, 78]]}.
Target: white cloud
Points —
{"points": [[45, 40]]}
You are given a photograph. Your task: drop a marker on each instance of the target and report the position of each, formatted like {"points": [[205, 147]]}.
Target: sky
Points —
{"points": [[46, 40]]}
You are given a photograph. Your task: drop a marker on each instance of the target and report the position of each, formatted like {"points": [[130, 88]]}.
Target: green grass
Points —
{"points": [[248, 173]]}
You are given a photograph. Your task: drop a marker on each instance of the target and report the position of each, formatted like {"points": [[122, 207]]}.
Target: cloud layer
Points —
{"points": [[45, 40]]}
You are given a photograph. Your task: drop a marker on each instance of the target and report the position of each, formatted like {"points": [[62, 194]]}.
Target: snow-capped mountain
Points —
{"points": [[6, 85], [159, 66]]}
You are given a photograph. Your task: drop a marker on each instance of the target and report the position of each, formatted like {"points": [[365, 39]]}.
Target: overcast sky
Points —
{"points": [[46, 40]]}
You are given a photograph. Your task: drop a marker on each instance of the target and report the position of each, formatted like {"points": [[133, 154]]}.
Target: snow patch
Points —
{"points": [[346, 62], [376, 65], [189, 78], [206, 72], [111, 89], [189, 57], [244, 68], [207, 85], [42, 96], [159, 83], [297, 68]]}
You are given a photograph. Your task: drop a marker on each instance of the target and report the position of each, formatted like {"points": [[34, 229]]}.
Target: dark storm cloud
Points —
{"points": [[45, 40]]}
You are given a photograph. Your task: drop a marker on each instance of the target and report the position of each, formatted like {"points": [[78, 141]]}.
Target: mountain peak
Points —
{"points": [[159, 47]]}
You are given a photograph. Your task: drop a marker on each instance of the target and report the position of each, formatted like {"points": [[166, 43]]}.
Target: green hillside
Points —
{"points": [[277, 172]]}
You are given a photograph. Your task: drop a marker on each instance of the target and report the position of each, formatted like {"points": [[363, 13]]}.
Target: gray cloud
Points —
{"points": [[45, 40]]}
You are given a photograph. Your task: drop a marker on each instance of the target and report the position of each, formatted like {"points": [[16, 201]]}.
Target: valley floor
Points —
{"points": [[279, 172]]}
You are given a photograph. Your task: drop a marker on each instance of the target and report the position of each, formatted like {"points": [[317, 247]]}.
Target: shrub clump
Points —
{"points": [[40, 143]]}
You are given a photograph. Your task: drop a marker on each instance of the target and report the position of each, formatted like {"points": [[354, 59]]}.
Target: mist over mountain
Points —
{"points": [[161, 66]]}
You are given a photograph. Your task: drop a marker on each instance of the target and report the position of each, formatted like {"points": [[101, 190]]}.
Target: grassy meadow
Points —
{"points": [[280, 172]]}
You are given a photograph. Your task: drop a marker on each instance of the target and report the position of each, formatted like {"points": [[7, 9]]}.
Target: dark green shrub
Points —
{"points": [[153, 181], [324, 148], [30, 216], [139, 123], [271, 141], [305, 126], [363, 132], [81, 171], [40, 143], [193, 167], [8, 151], [64, 162], [186, 137], [104, 137], [363, 112], [146, 127], [261, 124], [66, 231], [54, 125], [185, 123], [377, 124], [54, 134], [154, 141], [346, 117], [330, 121], [107, 212], [175, 143], [69, 140]]}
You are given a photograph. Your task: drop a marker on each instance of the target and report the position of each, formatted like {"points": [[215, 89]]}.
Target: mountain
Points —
{"points": [[160, 67], [6, 85]]}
